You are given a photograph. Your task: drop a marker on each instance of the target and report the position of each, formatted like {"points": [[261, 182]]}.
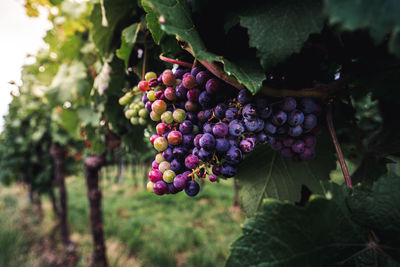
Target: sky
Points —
{"points": [[20, 35]]}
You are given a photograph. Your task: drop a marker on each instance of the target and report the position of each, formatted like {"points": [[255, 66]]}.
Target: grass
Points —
{"points": [[143, 229]]}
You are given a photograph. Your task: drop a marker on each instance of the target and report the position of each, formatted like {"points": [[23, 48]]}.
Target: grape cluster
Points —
{"points": [[135, 110], [205, 128]]}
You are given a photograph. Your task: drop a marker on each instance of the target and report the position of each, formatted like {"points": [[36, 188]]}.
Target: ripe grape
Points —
{"points": [[160, 188], [192, 188]]}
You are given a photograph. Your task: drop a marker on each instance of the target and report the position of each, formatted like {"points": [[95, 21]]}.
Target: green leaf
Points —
{"points": [[116, 12], [320, 234], [71, 123], [153, 25], [128, 40], [89, 116], [279, 28], [380, 17], [370, 169], [178, 21], [266, 174], [379, 209]]}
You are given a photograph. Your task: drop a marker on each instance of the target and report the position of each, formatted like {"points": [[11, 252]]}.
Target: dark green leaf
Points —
{"points": [[128, 40], [279, 28], [371, 168], [379, 209], [265, 173], [153, 25], [380, 17], [115, 12], [320, 234], [178, 22]]}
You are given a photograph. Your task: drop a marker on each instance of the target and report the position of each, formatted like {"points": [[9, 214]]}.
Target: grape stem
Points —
{"points": [[174, 61], [339, 152], [319, 91]]}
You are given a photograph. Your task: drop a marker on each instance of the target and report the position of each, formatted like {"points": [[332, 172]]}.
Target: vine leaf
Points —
{"points": [[128, 40], [277, 29], [379, 210], [380, 17], [116, 12], [266, 174], [153, 25], [178, 21]]}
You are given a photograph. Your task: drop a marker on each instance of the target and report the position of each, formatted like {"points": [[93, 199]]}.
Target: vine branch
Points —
{"points": [[174, 61], [342, 161], [319, 91]]}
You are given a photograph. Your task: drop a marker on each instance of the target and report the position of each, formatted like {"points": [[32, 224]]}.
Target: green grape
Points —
{"points": [[154, 116], [150, 75], [164, 166], [143, 113], [168, 176], [142, 121], [134, 120], [151, 95], [129, 113], [160, 144], [150, 186], [179, 115], [159, 158], [167, 117]]}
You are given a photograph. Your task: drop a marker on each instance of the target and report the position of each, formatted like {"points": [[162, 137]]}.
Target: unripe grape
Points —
{"points": [[162, 128], [143, 86], [161, 144], [150, 186], [168, 176], [159, 158], [151, 95], [129, 113], [154, 165], [175, 138], [167, 117], [191, 106], [134, 120], [159, 106], [123, 101], [164, 166], [135, 89], [142, 121], [154, 137], [143, 113], [179, 115], [168, 78], [154, 116], [150, 75]]}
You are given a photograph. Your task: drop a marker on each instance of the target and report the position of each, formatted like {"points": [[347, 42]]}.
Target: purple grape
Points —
{"points": [[187, 140], [277, 145], [236, 128], [269, 128], [288, 141], [219, 110], [234, 155], [295, 131], [186, 127], [180, 152], [298, 146], [279, 118], [207, 127], [148, 106], [205, 155], [261, 102], [207, 114], [212, 178], [180, 72], [249, 112], [181, 92], [202, 78], [168, 155], [233, 141], [309, 140], [145, 99], [172, 189], [244, 96], [296, 117], [213, 86], [231, 114], [260, 125], [308, 105], [207, 141], [159, 79], [196, 140], [216, 169], [228, 170], [193, 95], [176, 166], [251, 126], [288, 104], [282, 130], [265, 139], [222, 145], [195, 71], [206, 100], [287, 152], [308, 154], [192, 188], [191, 116], [246, 145], [220, 129], [265, 112], [180, 181], [191, 162], [160, 188], [154, 164], [310, 121], [195, 151]]}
